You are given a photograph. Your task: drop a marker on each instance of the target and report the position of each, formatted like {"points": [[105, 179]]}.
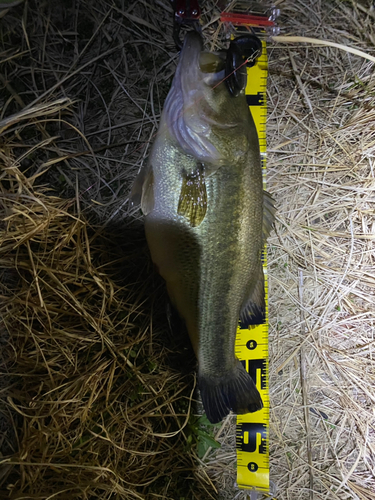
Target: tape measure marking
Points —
{"points": [[252, 431]]}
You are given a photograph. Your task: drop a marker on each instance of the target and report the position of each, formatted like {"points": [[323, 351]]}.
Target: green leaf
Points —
{"points": [[203, 420], [201, 449], [204, 443], [208, 440]]}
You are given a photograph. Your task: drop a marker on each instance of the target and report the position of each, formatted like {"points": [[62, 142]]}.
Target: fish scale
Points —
{"points": [[231, 264]]}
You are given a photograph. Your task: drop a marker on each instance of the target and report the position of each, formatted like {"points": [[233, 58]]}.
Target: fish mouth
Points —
{"points": [[191, 108], [188, 73], [199, 66]]}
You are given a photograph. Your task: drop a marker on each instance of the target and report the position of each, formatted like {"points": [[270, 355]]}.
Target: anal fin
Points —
{"points": [[253, 310]]}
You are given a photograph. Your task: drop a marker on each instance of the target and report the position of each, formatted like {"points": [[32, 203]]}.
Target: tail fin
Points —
{"points": [[235, 391]]}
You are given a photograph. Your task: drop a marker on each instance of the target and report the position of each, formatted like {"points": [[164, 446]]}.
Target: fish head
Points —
{"points": [[200, 114]]}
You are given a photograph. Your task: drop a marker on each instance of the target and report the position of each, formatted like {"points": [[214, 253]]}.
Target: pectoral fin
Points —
{"points": [[193, 197], [143, 190], [269, 212]]}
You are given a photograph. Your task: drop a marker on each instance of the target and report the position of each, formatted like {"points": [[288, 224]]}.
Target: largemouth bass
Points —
{"points": [[207, 218]]}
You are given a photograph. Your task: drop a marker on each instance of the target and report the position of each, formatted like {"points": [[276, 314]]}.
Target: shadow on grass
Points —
{"points": [[100, 387]]}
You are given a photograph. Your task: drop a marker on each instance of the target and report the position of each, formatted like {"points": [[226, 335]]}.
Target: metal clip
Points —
{"points": [[186, 13], [261, 22]]}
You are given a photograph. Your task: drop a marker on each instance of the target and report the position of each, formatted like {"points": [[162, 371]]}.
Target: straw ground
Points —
{"points": [[94, 402], [320, 133]]}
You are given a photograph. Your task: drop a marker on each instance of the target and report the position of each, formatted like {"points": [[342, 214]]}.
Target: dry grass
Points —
{"points": [[93, 403], [91, 406], [322, 260]]}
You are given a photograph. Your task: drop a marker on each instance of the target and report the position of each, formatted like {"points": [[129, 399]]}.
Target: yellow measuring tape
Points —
{"points": [[252, 433]]}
